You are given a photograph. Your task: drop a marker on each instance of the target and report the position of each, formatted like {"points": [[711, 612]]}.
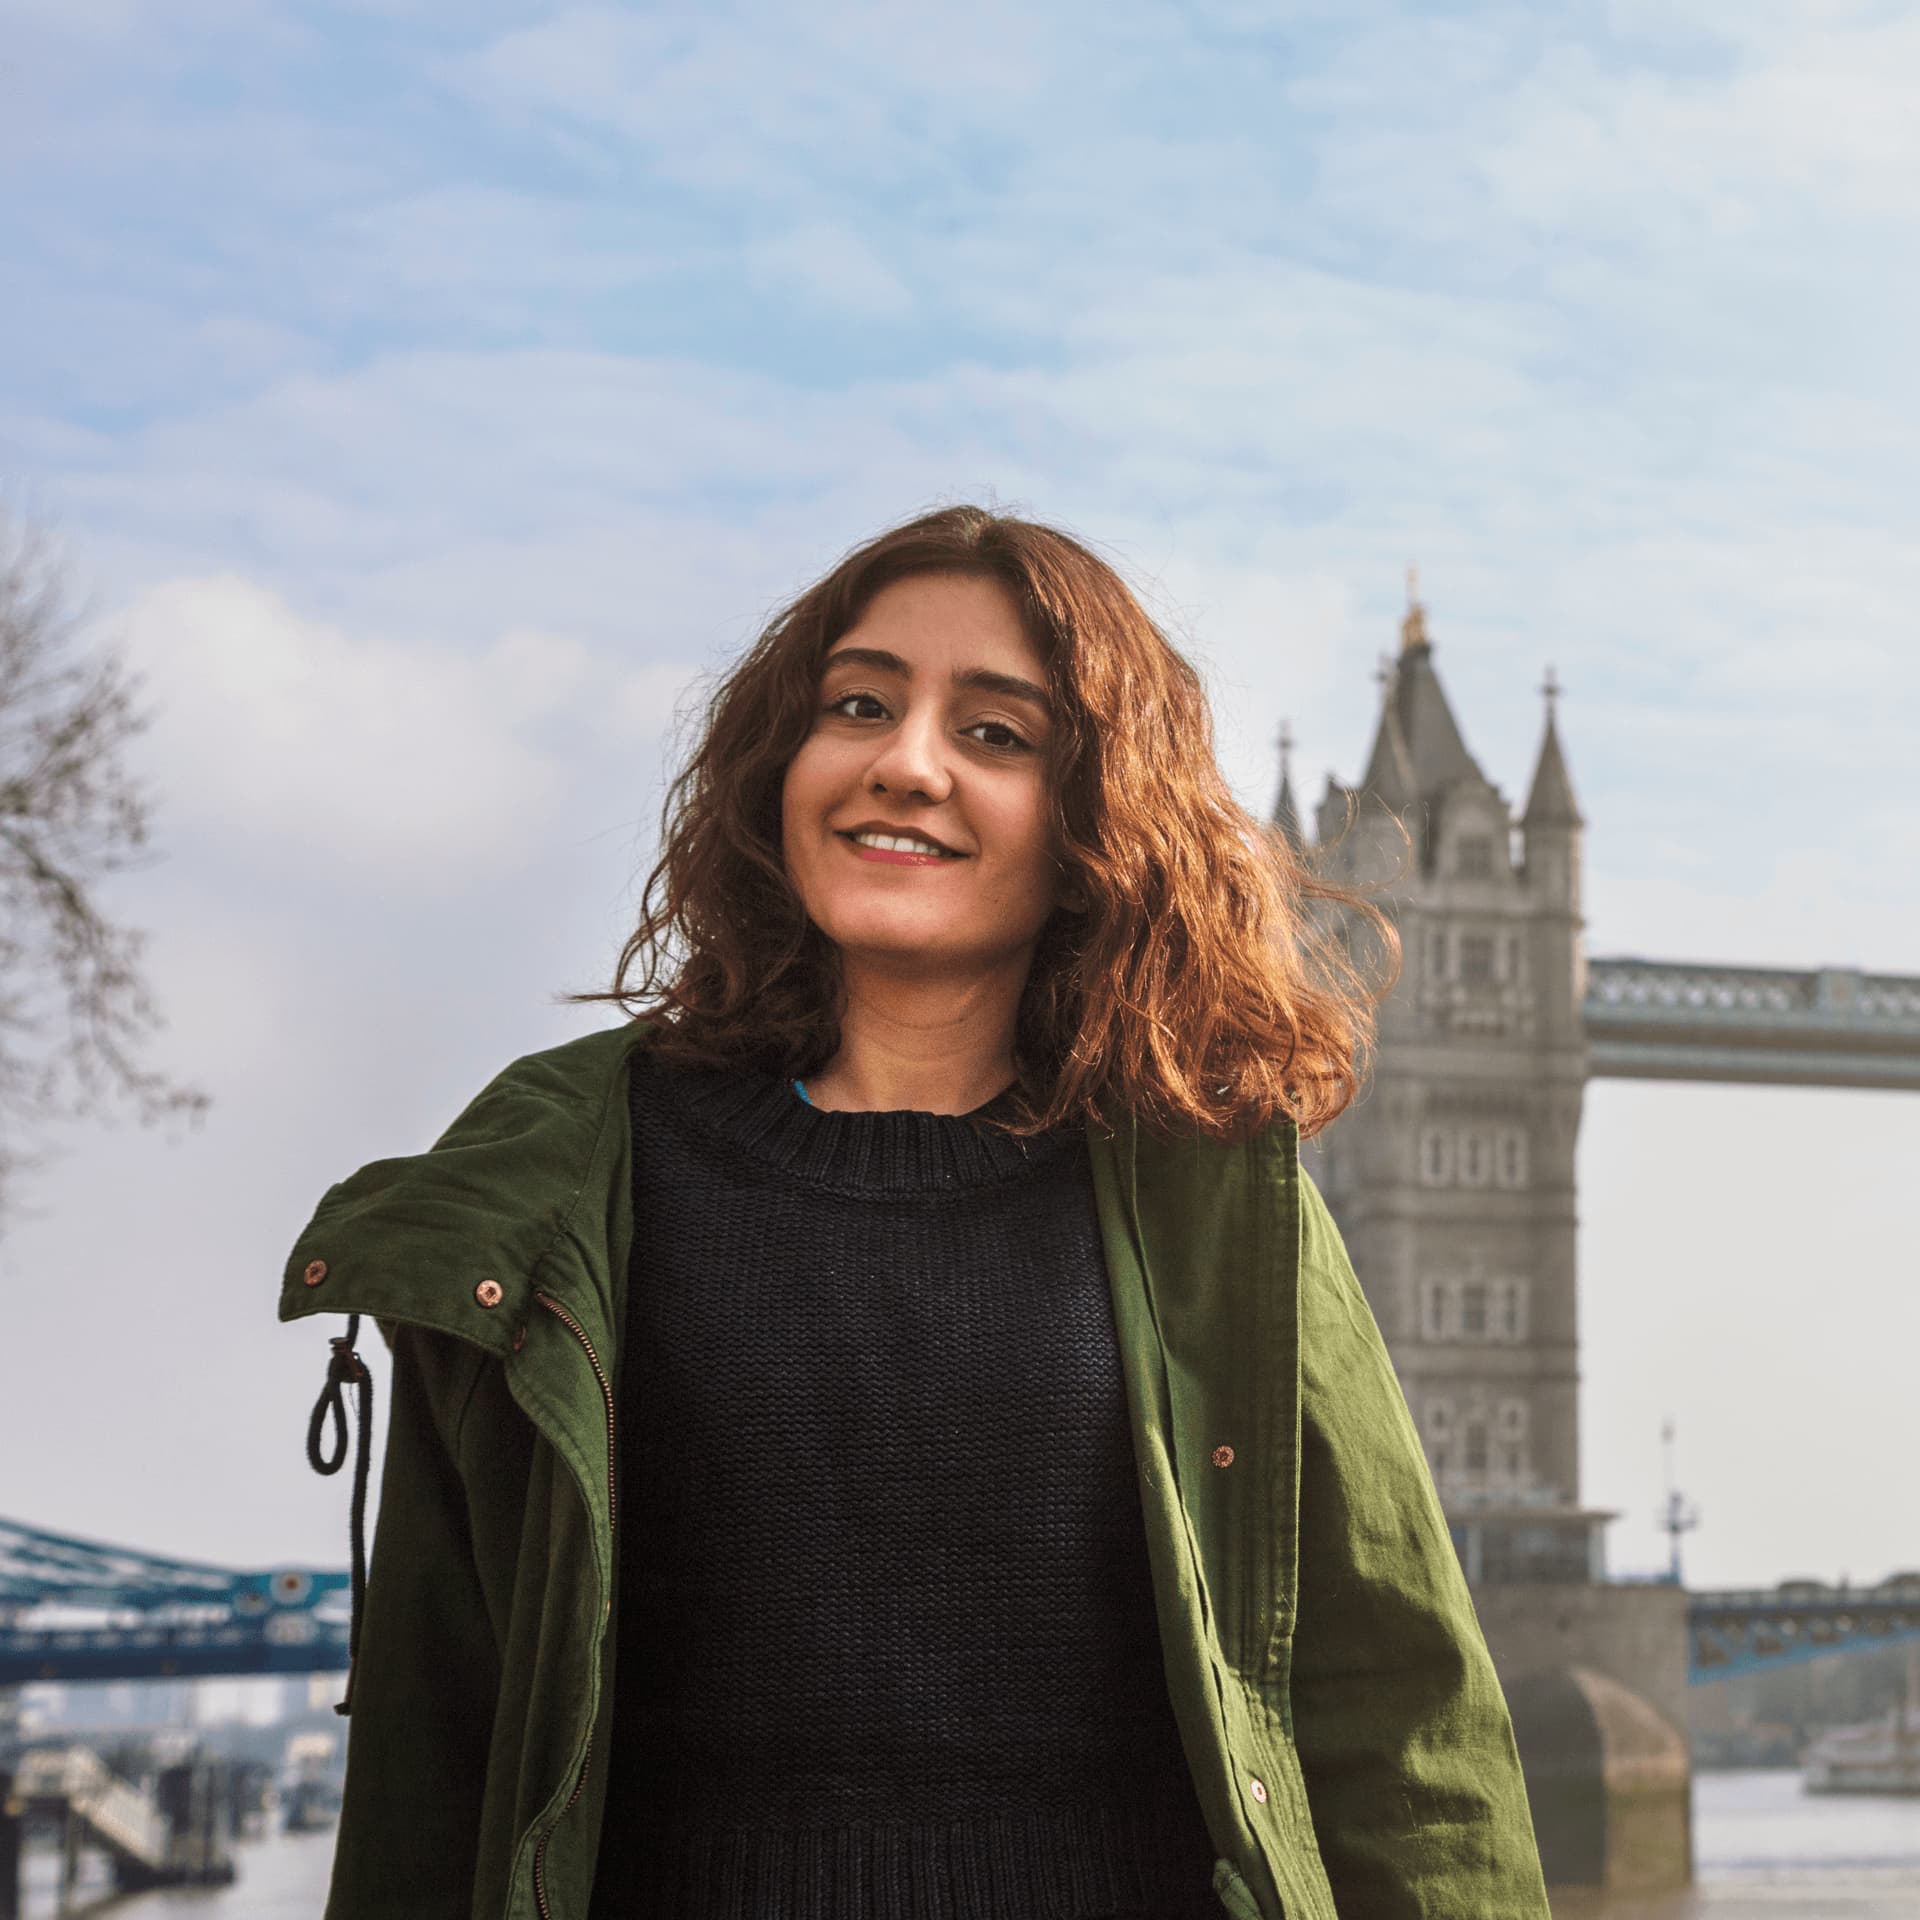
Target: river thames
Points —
{"points": [[1763, 1850]]}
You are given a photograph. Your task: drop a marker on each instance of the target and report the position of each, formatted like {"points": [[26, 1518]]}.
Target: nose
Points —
{"points": [[911, 758]]}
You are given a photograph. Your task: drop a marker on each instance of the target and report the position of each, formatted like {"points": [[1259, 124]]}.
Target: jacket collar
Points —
{"points": [[511, 1197]]}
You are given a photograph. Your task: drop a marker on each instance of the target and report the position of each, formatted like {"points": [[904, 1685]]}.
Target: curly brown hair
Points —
{"points": [[1200, 989]]}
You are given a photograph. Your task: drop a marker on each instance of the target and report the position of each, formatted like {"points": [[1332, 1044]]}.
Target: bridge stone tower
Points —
{"points": [[1452, 1177]]}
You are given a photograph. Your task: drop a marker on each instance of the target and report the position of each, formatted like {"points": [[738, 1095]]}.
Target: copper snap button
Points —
{"points": [[1260, 1793], [489, 1293], [315, 1273], [1223, 1456]]}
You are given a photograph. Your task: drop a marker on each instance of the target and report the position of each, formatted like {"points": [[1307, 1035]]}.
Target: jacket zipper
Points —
{"points": [[579, 1332], [540, 1852]]}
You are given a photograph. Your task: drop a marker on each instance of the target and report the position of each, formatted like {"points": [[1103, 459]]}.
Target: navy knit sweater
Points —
{"points": [[886, 1645]]}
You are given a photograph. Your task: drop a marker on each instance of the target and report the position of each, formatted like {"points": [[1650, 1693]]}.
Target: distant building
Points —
{"points": [[1452, 1178], [1452, 1181]]}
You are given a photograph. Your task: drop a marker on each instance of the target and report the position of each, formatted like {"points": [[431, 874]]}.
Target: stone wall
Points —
{"points": [[1635, 1635]]}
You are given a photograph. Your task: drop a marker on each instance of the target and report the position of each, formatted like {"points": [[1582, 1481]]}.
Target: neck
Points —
{"points": [[940, 1045]]}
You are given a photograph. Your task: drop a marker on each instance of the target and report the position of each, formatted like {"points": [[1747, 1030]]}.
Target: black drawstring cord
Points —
{"points": [[346, 1367]]}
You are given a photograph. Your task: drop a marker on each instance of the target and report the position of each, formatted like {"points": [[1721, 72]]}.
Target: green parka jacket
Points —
{"points": [[1349, 1743]]}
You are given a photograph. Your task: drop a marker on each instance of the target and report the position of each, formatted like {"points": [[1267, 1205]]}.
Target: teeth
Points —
{"points": [[899, 843]]}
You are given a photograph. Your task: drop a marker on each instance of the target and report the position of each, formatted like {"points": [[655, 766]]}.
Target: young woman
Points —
{"points": [[890, 1432]]}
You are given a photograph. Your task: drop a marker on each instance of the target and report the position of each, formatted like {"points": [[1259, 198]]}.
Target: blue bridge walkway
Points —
{"points": [[79, 1610]]}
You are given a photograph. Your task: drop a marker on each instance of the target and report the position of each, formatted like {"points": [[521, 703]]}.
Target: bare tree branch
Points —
{"points": [[74, 1004]]}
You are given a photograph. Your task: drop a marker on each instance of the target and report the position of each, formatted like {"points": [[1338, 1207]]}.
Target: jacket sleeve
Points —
{"points": [[1413, 1779], [429, 1666]]}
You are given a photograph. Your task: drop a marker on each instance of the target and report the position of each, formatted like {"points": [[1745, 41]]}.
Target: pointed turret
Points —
{"points": [[1550, 801], [1389, 776], [1435, 749], [1286, 816], [1551, 831]]}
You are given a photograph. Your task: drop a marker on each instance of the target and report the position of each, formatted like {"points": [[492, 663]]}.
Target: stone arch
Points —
{"points": [[1608, 1779]]}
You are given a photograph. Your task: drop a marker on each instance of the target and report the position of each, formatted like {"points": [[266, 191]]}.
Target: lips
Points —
{"points": [[899, 833]]}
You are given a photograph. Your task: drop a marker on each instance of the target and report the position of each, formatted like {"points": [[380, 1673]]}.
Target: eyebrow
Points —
{"points": [[1008, 685]]}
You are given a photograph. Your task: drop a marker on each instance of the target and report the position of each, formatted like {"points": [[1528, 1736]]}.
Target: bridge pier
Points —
{"points": [[1596, 1680]]}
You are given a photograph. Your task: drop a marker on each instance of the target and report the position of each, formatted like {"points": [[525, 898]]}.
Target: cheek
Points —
{"points": [[1022, 828], [800, 798]]}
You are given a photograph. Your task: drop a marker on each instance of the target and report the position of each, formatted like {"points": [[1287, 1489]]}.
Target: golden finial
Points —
{"points": [[1413, 629]]}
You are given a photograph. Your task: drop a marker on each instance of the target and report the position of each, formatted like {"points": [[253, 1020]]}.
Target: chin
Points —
{"points": [[930, 937], [932, 943]]}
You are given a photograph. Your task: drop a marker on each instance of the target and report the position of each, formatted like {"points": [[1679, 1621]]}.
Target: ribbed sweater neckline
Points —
{"points": [[896, 1150]]}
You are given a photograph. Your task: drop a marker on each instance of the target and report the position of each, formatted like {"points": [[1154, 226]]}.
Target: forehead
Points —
{"points": [[946, 615]]}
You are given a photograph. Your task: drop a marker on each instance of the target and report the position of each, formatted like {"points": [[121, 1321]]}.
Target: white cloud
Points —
{"points": [[405, 762]]}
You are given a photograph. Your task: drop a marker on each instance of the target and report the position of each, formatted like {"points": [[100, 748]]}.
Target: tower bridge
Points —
{"points": [[1766, 1026], [79, 1610], [1453, 1184], [82, 1610], [1453, 1181]]}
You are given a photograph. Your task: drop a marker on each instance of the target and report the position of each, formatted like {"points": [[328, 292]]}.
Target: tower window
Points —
{"points": [[1476, 958], [1475, 1161], [1473, 1310], [1474, 1446], [1436, 1157], [1473, 855], [1513, 1157], [1510, 1310], [1433, 1309], [1513, 1437]]}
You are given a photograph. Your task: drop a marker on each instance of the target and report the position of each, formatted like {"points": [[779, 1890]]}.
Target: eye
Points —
{"points": [[834, 706], [1003, 738]]}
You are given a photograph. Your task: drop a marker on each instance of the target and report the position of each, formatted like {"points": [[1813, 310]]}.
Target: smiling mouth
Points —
{"points": [[927, 850]]}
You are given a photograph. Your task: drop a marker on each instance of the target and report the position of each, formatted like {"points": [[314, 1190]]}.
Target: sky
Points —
{"points": [[431, 402]]}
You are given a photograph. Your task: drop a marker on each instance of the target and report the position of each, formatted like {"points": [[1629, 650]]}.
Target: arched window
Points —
{"points": [[1473, 1310], [1436, 1156], [1476, 1160]]}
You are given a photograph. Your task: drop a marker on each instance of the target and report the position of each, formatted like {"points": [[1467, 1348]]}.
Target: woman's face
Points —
{"points": [[931, 720]]}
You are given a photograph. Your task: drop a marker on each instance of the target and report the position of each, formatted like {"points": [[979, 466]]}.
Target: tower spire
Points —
{"points": [[1286, 816], [1550, 801]]}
